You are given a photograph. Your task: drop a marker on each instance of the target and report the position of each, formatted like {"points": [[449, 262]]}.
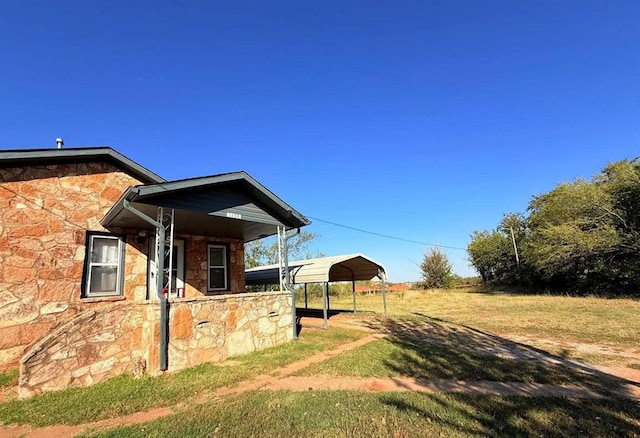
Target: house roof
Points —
{"points": [[22, 157], [232, 205], [351, 267]]}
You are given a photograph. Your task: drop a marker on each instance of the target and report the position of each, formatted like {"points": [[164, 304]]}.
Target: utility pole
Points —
{"points": [[515, 247]]}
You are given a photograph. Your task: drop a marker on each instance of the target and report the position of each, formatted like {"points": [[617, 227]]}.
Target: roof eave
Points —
{"points": [[129, 194], [281, 209], [34, 156]]}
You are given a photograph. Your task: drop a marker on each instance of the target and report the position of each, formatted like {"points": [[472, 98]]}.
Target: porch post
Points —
{"points": [[285, 279], [164, 304]]}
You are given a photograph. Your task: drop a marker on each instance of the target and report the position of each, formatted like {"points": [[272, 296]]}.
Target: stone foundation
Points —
{"points": [[123, 337]]}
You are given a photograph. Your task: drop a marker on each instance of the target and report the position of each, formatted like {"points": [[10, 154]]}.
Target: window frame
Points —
{"points": [[225, 259], [88, 264]]}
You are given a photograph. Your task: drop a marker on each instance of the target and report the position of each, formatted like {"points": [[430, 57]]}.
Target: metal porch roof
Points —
{"points": [[230, 205], [350, 267]]}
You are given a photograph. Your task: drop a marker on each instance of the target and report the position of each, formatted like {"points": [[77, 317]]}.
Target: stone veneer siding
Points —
{"points": [[91, 347], [44, 214], [196, 261], [124, 338]]}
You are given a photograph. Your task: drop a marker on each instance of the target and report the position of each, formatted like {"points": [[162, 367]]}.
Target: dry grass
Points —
{"points": [[610, 322]]}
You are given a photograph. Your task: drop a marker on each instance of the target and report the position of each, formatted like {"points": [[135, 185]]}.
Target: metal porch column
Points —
{"points": [[164, 304], [285, 275]]}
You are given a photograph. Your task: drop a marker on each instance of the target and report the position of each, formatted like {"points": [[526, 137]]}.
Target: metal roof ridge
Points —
{"points": [[193, 178], [301, 262]]}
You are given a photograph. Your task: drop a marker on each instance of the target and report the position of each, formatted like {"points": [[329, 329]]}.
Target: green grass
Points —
{"points": [[9, 378], [362, 414], [125, 395], [590, 320]]}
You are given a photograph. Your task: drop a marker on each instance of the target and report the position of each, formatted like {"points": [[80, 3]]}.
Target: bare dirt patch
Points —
{"points": [[407, 384]]}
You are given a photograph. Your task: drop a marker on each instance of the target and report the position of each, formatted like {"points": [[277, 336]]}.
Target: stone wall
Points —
{"points": [[124, 338], [95, 345], [213, 328], [44, 214]]}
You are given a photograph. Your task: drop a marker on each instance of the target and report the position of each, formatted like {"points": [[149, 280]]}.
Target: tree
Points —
{"points": [[493, 254], [569, 227], [582, 236], [585, 234], [488, 253], [265, 251], [436, 270]]}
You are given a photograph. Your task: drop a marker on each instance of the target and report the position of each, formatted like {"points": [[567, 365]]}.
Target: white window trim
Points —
{"points": [[119, 265], [224, 266]]}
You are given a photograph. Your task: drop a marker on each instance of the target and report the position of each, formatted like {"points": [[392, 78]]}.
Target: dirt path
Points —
{"points": [[407, 384]]}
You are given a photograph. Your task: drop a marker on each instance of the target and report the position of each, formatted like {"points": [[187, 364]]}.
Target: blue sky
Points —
{"points": [[424, 120]]}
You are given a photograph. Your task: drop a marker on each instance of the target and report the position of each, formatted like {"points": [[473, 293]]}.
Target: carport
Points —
{"points": [[325, 270]]}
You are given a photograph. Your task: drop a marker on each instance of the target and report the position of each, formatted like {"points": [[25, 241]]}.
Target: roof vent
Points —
{"points": [[59, 142]]}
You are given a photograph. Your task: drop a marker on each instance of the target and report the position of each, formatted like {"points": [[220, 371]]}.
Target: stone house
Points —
{"points": [[82, 297]]}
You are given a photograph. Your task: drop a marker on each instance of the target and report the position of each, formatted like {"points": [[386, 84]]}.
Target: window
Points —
{"points": [[104, 265], [217, 268]]}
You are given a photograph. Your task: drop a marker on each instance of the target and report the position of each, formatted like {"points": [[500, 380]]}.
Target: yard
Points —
{"points": [[452, 363]]}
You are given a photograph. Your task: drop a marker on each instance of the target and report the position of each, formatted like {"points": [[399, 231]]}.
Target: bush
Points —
{"points": [[436, 270]]}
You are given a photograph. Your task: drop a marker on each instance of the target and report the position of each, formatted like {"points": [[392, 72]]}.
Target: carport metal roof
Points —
{"points": [[352, 267]]}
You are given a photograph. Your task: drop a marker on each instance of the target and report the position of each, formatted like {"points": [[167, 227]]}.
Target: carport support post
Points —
{"points": [[353, 294], [325, 302], [382, 276], [306, 302]]}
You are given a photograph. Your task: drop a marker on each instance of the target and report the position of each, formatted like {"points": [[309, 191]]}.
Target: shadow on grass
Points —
{"points": [[432, 348], [492, 416]]}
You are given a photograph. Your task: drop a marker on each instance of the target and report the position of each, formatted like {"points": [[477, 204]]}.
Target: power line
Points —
{"points": [[386, 235]]}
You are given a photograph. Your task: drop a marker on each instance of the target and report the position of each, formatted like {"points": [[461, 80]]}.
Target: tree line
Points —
{"points": [[581, 238]]}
